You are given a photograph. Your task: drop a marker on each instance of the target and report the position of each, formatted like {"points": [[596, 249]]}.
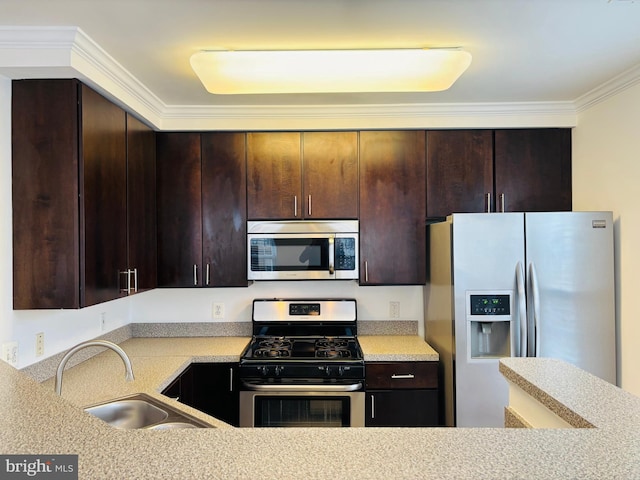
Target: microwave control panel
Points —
{"points": [[345, 253]]}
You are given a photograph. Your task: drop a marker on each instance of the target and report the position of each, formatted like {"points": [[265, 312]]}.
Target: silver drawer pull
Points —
{"points": [[403, 376]]}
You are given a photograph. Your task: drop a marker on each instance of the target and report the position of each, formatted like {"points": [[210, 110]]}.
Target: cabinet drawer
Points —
{"points": [[396, 375]]}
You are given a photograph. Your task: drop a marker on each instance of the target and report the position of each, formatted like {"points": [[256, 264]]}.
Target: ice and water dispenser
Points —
{"points": [[489, 322]]}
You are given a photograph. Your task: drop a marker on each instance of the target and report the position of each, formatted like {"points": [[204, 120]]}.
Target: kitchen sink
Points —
{"points": [[142, 411]]}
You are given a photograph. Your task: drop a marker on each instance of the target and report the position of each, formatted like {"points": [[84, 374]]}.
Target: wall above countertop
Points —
{"points": [[189, 312], [184, 305]]}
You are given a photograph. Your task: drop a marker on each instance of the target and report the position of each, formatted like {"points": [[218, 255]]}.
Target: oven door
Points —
{"points": [[277, 405]]}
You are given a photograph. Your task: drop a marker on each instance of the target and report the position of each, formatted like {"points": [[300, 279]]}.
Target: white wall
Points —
{"points": [[606, 176], [196, 304]]}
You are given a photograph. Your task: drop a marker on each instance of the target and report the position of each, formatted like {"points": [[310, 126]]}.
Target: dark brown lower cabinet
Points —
{"points": [[209, 387], [401, 394]]}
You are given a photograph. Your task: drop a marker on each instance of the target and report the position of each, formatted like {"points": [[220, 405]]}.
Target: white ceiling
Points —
{"points": [[523, 50]]}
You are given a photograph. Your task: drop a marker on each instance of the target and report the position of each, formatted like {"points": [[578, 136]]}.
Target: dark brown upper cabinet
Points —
{"points": [[224, 209], [141, 206], [310, 175], [392, 208], [533, 170], [498, 171], [459, 171], [330, 175], [201, 209], [69, 195]]}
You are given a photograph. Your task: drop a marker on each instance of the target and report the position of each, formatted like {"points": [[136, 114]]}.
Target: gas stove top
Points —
{"points": [[297, 348], [303, 340]]}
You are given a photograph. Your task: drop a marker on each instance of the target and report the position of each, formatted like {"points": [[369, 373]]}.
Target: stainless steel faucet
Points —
{"points": [[93, 343]]}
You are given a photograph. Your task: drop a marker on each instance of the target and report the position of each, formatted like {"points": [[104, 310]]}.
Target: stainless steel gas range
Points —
{"points": [[304, 366]]}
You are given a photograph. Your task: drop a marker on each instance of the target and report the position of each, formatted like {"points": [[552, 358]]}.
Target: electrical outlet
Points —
{"points": [[39, 344], [218, 310], [103, 321], [10, 353], [394, 309]]}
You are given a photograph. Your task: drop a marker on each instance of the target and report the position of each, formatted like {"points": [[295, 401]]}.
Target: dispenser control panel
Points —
{"points": [[490, 304]]}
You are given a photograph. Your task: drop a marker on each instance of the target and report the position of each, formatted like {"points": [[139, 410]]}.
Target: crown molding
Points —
{"points": [[616, 85], [444, 115], [58, 52]]}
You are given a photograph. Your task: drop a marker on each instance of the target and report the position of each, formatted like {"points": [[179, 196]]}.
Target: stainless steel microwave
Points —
{"points": [[302, 250]]}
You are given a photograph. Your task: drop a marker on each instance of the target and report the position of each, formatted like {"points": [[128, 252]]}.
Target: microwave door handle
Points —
{"points": [[332, 255]]}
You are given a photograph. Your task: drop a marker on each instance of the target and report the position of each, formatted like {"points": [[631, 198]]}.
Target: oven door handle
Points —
{"points": [[259, 387]]}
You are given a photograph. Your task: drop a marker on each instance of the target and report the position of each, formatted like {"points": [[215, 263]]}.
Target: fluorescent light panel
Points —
{"points": [[316, 71]]}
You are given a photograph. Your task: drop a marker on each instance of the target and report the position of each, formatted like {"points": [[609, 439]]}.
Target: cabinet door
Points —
{"points": [[274, 189], [179, 209], [533, 170], [392, 207], [104, 197], [401, 408], [459, 171], [46, 250], [141, 202], [330, 175], [215, 391], [224, 209]]}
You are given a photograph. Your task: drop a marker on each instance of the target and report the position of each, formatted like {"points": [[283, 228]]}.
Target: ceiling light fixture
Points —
{"points": [[322, 71]]}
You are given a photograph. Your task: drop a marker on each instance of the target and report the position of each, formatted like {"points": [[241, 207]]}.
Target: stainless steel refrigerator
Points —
{"points": [[517, 284]]}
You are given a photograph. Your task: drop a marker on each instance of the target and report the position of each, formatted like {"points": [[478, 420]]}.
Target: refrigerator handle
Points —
{"points": [[536, 308], [522, 309]]}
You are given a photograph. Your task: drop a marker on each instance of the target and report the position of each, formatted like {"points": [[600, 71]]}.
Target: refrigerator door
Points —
{"points": [[571, 298], [486, 251]]}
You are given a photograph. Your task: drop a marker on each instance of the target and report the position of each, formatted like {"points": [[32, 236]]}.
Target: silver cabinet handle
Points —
{"points": [[309, 205], [502, 202], [373, 406], [195, 275], [403, 376], [366, 271], [488, 202], [295, 205], [207, 275], [135, 280], [129, 288], [231, 379]]}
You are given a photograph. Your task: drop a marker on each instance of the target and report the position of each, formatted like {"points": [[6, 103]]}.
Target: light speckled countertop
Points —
{"points": [[36, 421], [396, 348]]}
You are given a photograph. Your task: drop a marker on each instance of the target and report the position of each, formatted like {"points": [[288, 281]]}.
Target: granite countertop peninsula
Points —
{"points": [[35, 420]]}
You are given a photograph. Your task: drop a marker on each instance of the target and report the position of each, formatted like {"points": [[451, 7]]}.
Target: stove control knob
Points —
{"points": [[340, 370], [327, 370], [263, 370], [278, 370]]}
